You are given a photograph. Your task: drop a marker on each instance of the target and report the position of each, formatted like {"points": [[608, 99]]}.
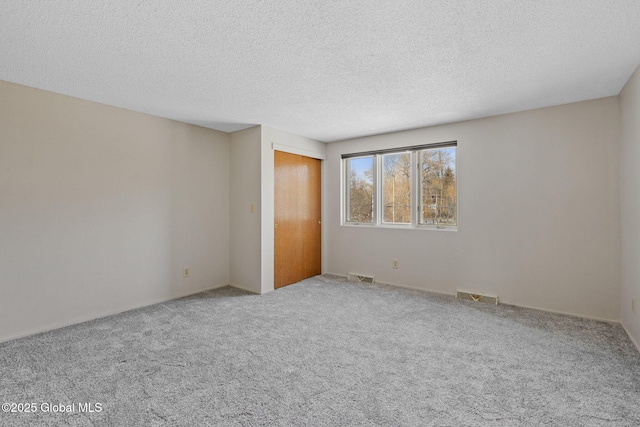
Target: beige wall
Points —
{"points": [[101, 208], [539, 212], [630, 198], [245, 225]]}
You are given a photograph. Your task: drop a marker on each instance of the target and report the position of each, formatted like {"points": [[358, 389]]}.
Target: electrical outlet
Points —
{"points": [[185, 272], [633, 305], [394, 263], [253, 208]]}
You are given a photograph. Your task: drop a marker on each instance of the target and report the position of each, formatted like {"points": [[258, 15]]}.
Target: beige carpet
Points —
{"points": [[326, 352]]}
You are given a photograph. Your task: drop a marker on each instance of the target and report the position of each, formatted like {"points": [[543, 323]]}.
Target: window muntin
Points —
{"points": [[404, 187], [360, 189]]}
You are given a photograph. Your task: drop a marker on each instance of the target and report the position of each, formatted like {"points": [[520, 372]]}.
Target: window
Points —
{"points": [[396, 188], [438, 189], [404, 187], [359, 189]]}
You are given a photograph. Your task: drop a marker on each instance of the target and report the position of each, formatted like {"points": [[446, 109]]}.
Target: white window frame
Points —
{"points": [[416, 188], [346, 194]]}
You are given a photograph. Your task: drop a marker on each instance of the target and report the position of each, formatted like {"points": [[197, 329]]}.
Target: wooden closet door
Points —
{"points": [[297, 225]]}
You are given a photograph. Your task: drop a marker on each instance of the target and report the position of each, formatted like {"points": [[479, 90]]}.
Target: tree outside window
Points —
{"points": [[410, 187]]}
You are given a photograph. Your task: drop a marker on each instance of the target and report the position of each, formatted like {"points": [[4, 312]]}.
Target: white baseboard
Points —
{"points": [[433, 291], [243, 288], [82, 319], [564, 313], [631, 337], [414, 288], [335, 274], [399, 285]]}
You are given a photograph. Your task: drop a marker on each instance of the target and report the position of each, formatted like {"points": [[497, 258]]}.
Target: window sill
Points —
{"points": [[401, 226]]}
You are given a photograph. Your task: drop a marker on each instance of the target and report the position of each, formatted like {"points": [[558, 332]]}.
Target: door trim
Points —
{"points": [[298, 151]]}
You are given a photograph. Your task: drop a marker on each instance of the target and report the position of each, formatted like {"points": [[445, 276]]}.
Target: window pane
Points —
{"points": [[360, 189], [396, 188], [438, 182]]}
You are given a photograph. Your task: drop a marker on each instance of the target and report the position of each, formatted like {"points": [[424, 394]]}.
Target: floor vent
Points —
{"points": [[477, 297], [361, 278]]}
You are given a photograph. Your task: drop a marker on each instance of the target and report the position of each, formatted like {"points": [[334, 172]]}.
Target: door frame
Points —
{"points": [[298, 226], [268, 208]]}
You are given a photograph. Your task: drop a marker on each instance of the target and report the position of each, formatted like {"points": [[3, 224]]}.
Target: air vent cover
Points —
{"points": [[361, 278], [477, 297]]}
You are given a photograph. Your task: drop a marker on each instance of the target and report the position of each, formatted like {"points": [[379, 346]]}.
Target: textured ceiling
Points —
{"points": [[324, 69]]}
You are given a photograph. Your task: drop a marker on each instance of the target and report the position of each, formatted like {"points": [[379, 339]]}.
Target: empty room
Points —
{"points": [[253, 213]]}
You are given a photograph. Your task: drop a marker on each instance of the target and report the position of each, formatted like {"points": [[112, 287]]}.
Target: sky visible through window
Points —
{"points": [[359, 166], [450, 153]]}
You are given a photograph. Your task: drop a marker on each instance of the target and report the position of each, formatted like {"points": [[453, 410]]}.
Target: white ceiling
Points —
{"points": [[324, 69]]}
